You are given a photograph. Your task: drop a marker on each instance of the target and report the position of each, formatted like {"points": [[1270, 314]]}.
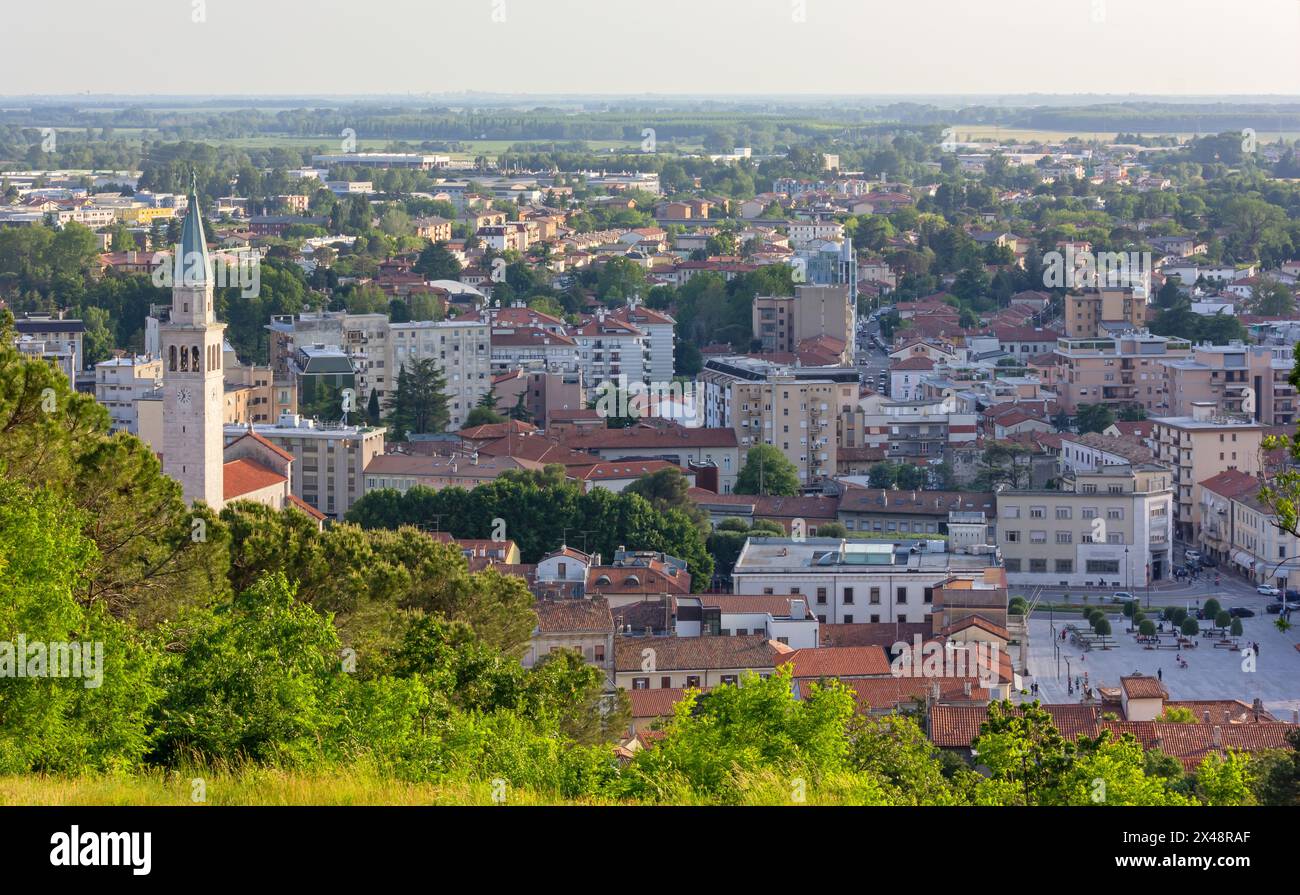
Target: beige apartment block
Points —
{"points": [[461, 350], [808, 413], [1087, 310], [1220, 374], [1197, 447], [1270, 379], [329, 459], [1110, 527], [781, 322], [1119, 371]]}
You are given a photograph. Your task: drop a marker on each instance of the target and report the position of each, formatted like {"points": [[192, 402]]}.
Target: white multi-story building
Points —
{"points": [[329, 459], [462, 350], [121, 381], [659, 330], [609, 348], [848, 582]]}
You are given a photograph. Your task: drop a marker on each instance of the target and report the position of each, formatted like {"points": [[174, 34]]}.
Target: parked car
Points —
{"points": [[1268, 590], [1192, 557], [1208, 562], [1241, 612], [1275, 608], [1292, 594]]}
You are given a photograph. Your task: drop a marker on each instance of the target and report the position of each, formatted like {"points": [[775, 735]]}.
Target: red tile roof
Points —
{"points": [[752, 651], [654, 703], [838, 661], [241, 477], [307, 508], [888, 693], [250, 434], [1143, 686], [916, 362], [573, 616]]}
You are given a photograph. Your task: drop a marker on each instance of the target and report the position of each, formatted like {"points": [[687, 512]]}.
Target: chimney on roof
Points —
{"points": [[1218, 737], [1207, 716], [965, 688]]}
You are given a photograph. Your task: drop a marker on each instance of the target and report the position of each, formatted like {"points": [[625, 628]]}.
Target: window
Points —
{"points": [[640, 683], [1065, 566], [848, 619], [1065, 537], [728, 678], [1037, 512], [666, 682], [1115, 513], [902, 595], [875, 596], [1103, 567], [1064, 513], [1012, 512], [1013, 565], [692, 680], [1013, 537], [821, 595], [848, 595], [1038, 565], [1038, 537]]}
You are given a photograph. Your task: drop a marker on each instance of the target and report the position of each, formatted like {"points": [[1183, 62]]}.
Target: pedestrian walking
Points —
{"points": [[1160, 674]]}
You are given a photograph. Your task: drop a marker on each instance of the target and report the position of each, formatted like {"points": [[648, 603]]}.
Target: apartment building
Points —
{"points": [[532, 347], [1107, 527], [1124, 370], [682, 446], [329, 459], [120, 382], [659, 329], [1273, 394], [1197, 447], [609, 348], [362, 337], [267, 396], [1095, 312], [56, 340], [1218, 515], [848, 582], [1220, 374], [782, 322], [1261, 551], [806, 412], [919, 432], [461, 349], [546, 393]]}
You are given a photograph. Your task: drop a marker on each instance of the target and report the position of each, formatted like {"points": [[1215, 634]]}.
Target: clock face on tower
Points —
{"points": [[183, 397]]}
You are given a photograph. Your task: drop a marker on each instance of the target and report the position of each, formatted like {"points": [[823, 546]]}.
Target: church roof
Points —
{"points": [[193, 266], [253, 436], [240, 477]]}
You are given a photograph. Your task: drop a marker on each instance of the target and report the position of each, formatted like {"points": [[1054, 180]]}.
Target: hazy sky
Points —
{"points": [[652, 46]]}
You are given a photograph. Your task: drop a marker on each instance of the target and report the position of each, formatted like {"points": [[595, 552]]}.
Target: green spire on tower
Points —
{"points": [[193, 266]]}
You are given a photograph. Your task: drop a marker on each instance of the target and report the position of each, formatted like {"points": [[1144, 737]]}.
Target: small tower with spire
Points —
{"points": [[193, 385]]}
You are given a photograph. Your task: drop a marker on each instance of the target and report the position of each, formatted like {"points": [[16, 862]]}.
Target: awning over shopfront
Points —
{"points": [[1243, 559]]}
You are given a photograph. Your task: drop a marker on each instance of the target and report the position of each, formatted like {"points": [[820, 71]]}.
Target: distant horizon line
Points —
{"points": [[799, 95]]}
